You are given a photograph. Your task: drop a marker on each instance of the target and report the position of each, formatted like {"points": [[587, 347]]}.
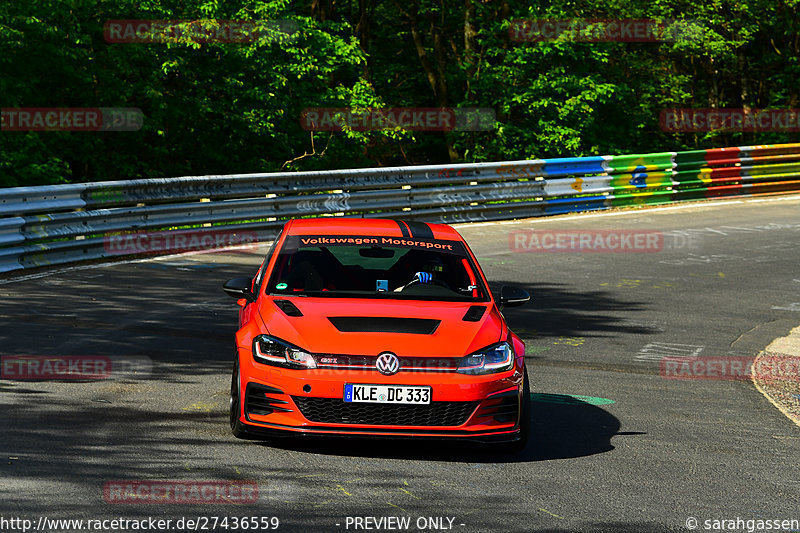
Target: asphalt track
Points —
{"points": [[663, 451]]}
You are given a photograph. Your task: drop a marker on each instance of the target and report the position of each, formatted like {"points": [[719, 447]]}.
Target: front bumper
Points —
{"points": [[285, 402]]}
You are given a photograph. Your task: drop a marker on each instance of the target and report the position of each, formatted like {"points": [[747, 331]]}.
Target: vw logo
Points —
{"points": [[387, 364]]}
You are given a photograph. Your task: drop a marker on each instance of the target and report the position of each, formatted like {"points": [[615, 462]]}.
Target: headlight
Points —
{"points": [[495, 358], [272, 351]]}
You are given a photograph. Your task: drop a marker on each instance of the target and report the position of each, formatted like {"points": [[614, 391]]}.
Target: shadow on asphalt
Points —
{"points": [[183, 321], [180, 318], [561, 430], [559, 310]]}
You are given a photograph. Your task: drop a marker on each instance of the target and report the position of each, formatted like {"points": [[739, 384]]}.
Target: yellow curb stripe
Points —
{"points": [[551, 514], [393, 505], [412, 495]]}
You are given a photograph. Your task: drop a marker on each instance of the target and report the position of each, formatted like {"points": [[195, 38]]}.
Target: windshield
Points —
{"points": [[375, 267]]}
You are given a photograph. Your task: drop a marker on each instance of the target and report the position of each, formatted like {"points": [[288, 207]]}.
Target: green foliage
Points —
{"points": [[212, 108]]}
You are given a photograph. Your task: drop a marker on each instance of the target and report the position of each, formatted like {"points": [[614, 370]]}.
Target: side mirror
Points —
{"points": [[239, 288], [511, 296]]}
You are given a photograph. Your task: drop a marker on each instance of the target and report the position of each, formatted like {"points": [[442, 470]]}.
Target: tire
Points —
{"points": [[237, 428], [521, 443]]}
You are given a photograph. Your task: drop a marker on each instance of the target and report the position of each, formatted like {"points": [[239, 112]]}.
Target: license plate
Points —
{"points": [[405, 394]]}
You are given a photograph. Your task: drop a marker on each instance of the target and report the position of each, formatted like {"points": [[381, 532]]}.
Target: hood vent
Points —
{"points": [[288, 307], [474, 313], [379, 324]]}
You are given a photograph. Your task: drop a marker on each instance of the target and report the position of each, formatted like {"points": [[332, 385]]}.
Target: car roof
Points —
{"points": [[371, 226]]}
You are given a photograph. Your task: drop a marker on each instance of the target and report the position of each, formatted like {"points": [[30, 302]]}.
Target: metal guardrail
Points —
{"points": [[60, 224]]}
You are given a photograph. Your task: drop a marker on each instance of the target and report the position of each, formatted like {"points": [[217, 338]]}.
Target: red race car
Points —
{"points": [[368, 327]]}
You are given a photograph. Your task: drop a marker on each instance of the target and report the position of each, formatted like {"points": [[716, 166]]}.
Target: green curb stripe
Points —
{"points": [[569, 399]]}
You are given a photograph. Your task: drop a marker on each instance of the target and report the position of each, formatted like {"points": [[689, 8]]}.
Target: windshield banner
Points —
{"points": [[364, 240]]}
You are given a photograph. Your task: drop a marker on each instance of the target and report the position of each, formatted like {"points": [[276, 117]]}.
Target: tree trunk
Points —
{"points": [[322, 9], [435, 74], [364, 31]]}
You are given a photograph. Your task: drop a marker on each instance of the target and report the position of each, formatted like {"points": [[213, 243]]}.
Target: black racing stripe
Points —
{"points": [[420, 230], [403, 228]]}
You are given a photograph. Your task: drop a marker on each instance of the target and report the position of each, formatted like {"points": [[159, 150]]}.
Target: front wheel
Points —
{"points": [[524, 420], [236, 402]]}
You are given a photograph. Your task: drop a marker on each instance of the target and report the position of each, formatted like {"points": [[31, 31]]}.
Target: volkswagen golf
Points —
{"points": [[369, 327]]}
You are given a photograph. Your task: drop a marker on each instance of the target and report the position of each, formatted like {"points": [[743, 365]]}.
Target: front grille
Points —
{"points": [[337, 411], [407, 364]]}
